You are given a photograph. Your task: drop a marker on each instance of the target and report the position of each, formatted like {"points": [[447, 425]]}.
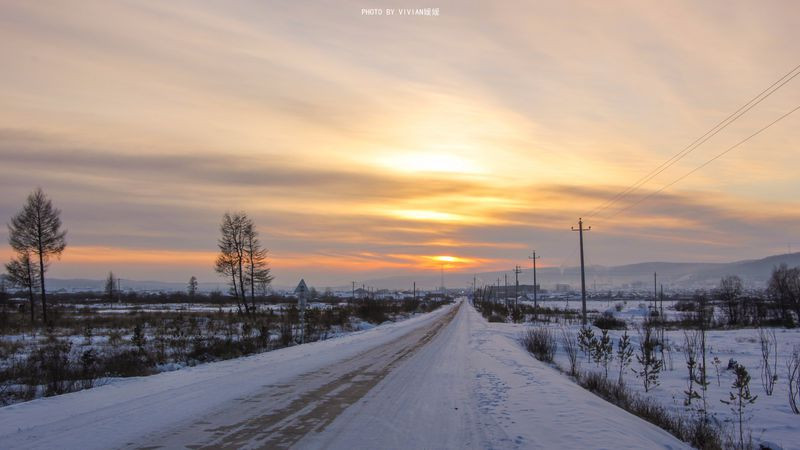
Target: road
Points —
{"points": [[443, 380]]}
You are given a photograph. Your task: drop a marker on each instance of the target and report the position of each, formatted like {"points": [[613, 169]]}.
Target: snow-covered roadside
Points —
{"points": [[121, 412], [770, 418], [474, 386], [538, 403]]}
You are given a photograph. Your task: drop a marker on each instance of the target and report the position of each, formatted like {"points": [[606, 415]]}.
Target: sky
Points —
{"points": [[366, 146]]}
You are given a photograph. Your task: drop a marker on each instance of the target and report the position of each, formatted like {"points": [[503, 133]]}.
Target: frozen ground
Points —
{"points": [[441, 380]]}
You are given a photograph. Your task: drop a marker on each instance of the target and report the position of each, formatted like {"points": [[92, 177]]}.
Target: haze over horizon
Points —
{"points": [[368, 146]]}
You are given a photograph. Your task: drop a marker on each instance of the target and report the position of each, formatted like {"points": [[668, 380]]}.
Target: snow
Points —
{"points": [[473, 386], [771, 419], [470, 385]]}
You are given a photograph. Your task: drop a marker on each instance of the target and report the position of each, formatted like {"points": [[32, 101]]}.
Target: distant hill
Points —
{"points": [[754, 272]]}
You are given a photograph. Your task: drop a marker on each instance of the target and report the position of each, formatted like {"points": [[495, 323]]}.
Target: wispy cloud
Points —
{"points": [[475, 135]]}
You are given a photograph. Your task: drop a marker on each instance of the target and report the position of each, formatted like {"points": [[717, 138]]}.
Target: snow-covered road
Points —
{"points": [[442, 380]]}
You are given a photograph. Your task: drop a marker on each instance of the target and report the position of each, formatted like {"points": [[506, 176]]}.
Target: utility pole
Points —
{"points": [[517, 271], [580, 231], [354, 292], [662, 302], [415, 291], [655, 291], [443, 289], [535, 284], [497, 291], [474, 279], [505, 288]]}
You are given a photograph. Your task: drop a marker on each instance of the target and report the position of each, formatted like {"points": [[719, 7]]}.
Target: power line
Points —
{"points": [[763, 95], [729, 149]]}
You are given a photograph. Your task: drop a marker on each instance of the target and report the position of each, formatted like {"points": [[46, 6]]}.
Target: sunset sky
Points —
{"points": [[368, 146]]}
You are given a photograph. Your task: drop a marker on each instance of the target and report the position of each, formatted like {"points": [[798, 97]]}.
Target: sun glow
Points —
{"points": [[422, 214], [429, 162]]}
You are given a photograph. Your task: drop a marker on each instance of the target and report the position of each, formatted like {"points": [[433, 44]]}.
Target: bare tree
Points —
{"points": [[729, 293], [231, 259], [258, 274], [769, 358], [36, 230], [22, 274], [784, 289]]}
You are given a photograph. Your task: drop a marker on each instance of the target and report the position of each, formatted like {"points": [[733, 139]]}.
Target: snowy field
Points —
{"points": [[95, 344]]}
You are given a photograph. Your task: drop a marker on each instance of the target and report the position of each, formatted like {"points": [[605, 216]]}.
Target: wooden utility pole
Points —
{"points": [[505, 288], [444, 291], [655, 292], [517, 271], [474, 279], [580, 231], [535, 283]]}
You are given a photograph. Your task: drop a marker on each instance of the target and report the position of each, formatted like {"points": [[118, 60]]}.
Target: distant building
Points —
{"points": [[563, 288]]}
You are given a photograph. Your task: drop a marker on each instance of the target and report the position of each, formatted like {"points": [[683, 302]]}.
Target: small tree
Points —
{"points": [[690, 353], [111, 287], [651, 365], [624, 354], [705, 315], [138, 339], [603, 351], [717, 363], [740, 398], [586, 340], [36, 230], [191, 289]]}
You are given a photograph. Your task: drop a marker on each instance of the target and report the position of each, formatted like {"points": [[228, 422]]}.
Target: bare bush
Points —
{"points": [[793, 372], [569, 342], [769, 359], [541, 342], [697, 431]]}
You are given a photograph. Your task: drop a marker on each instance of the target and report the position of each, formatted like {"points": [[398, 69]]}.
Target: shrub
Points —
{"points": [[698, 432], [607, 321], [541, 342], [685, 306], [127, 363]]}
